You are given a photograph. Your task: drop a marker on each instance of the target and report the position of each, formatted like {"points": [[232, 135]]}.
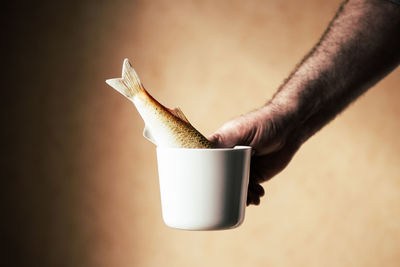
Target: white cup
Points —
{"points": [[203, 189]]}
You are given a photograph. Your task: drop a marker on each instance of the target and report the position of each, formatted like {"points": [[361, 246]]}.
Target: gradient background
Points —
{"points": [[80, 185]]}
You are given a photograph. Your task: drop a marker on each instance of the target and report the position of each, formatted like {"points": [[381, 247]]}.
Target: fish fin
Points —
{"points": [[147, 134], [178, 112], [129, 85], [119, 85]]}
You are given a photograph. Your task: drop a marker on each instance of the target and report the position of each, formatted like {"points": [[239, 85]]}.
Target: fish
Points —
{"points": [[163, 126]]}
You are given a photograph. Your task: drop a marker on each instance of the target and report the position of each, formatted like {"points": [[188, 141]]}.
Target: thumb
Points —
{"points": [[217, 140], [224, 139], [238, 131]]}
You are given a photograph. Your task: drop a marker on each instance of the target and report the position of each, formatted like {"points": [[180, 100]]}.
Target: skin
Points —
{"points": [[359, 48]]}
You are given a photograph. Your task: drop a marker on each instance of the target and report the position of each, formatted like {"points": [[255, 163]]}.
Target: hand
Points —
{"points": [[272, 142]]}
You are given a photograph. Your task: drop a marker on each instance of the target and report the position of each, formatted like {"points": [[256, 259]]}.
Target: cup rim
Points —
{"points": [[235, 148]]}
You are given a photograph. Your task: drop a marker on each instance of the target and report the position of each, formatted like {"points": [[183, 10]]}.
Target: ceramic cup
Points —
{"points": [[203, 189]]}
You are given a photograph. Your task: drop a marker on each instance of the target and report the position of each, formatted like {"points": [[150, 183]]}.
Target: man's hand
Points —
{"points": [[272, 142], [360, 47]]}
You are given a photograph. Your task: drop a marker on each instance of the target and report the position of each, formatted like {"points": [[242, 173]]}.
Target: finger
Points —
{"points": [[217, 140], [225, 139], [256, 175], [258, 190], [265, 167], [214, 138], [256, 201], [253, 200], [255, 191], [249, 200], [239, 131]]}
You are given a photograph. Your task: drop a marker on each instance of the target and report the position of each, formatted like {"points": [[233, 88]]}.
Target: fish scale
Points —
{"points": [[164, 127]]}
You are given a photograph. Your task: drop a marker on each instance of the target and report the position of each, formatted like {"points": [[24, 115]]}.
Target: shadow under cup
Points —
{"points": [[203, 189]]}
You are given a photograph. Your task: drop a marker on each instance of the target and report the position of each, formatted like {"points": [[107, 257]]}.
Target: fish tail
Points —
{"points": [[129, 85]]}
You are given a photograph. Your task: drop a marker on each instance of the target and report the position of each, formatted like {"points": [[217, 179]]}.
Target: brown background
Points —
{"points": [[80, 185]]}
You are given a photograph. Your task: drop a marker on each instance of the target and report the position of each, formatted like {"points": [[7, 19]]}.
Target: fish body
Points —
{"points": [[164, 127]]}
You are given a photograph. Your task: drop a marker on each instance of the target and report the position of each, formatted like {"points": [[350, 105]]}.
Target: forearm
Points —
{"points": [[361, 46]]}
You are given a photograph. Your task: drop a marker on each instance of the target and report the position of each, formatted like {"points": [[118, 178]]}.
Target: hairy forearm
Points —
{"points": [[360, 47]]}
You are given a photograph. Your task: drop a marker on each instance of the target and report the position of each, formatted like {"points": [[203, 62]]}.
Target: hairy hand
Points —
{"points": [[264, 131]]}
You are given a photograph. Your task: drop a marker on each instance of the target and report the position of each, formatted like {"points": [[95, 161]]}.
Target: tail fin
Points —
{"points": [[129, 85]]}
